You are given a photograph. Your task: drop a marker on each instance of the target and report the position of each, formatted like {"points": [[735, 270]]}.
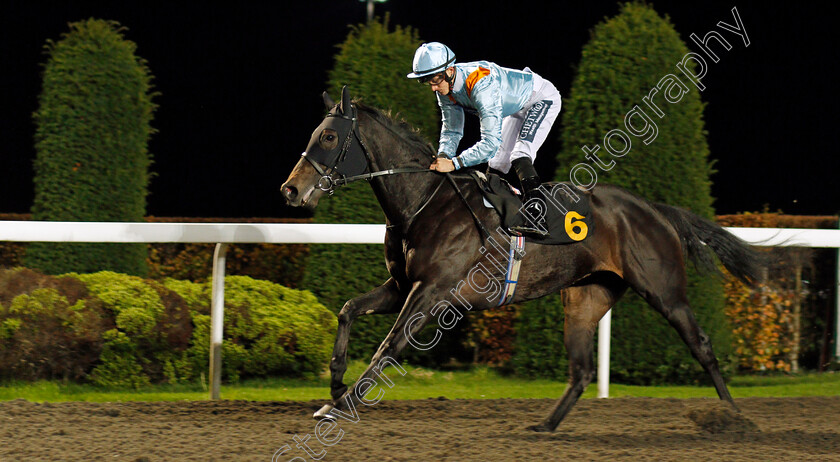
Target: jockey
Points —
{"points": [[516, 111]]}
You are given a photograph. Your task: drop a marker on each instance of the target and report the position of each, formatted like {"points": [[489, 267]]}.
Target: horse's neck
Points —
{"points": [[401, 194]]}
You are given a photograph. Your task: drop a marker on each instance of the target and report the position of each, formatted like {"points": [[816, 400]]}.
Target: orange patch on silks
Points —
{"points": [[474, 77]]}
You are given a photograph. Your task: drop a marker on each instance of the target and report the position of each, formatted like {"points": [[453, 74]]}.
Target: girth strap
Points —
{"points": [[517, 245]]}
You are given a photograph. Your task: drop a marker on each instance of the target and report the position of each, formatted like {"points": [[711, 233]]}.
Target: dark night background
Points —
{"points": [[240, 89]]}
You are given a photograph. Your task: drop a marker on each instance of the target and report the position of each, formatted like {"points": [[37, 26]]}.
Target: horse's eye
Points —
{"points": [[329, 139]]}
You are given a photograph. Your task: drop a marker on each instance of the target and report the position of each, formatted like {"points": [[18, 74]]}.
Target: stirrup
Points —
{"points": [[526, 229]]}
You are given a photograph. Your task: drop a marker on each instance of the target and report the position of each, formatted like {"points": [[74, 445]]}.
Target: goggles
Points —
{"points": [[434, 79]]}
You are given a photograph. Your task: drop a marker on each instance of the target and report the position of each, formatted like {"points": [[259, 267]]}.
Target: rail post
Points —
{"points": [[604, 355], [837, 308], [217, 319]]}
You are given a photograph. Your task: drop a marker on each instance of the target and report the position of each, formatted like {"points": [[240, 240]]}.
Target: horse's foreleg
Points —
{"points": [[584, 306], [411, 320], [383, 299]]}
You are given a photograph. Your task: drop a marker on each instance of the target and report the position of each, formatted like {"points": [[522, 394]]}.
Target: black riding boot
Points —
{"points": [[530, 181]]}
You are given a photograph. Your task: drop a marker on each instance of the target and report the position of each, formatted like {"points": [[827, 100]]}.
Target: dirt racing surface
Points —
{"points": [[788, 429]]}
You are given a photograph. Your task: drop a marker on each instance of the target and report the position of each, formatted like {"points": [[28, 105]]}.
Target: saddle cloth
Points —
{"points": [[568, 217]]}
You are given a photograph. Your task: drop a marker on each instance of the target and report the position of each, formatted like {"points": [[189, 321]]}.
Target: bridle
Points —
{"points": [[353, 161], [348, 163]]}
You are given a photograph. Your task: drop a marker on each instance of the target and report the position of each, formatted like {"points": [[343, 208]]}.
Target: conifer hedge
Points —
{"points": [[373, 62], [117, 330], [92, 163], [626, 57]]}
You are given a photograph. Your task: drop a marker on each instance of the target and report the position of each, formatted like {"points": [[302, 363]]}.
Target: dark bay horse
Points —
{"points": [[433, 247]]}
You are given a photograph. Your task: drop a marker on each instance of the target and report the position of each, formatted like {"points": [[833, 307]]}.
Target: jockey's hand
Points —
{"points": [[442, 164]]}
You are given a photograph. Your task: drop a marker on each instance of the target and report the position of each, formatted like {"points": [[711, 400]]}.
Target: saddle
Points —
{"points": [[568, 217]]}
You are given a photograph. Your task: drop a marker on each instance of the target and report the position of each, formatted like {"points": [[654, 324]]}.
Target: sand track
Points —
{"points": [[425, 430]]}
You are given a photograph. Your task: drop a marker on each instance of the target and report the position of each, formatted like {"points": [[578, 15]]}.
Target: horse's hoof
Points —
{"points": [[324, 413], [542, 428]]}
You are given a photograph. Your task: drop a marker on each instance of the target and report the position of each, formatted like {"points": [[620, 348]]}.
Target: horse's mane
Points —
{"points": [[399, 126]]}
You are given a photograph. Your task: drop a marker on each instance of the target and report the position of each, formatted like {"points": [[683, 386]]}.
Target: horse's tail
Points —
{"points": [[698, 235]]}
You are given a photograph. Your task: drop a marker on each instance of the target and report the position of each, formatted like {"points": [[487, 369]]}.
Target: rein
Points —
{"points": [[391, 171], [484, 233], [410, 219]]}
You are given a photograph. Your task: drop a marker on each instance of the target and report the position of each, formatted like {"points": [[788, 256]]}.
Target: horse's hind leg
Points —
{"points": [[680, 316], [666, 292], [383, 299], [584, 306]]}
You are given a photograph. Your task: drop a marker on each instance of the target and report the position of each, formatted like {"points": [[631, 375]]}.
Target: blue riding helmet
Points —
{"points": [[431, 58]]}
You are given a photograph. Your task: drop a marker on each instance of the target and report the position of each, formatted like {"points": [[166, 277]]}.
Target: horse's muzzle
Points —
{"points": [[290, 193], [297, 198]]}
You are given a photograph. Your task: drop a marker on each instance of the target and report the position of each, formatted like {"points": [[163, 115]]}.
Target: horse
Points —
{"points": [[434, 241]]}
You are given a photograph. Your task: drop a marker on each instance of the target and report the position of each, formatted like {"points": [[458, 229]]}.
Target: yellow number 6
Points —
{"points": [[571, 225]]}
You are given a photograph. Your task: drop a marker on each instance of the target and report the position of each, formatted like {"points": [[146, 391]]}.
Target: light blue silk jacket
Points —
{"points": [[490, 91]]}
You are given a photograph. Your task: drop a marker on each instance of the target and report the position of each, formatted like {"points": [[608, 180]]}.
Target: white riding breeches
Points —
{"points": [[525, 131]]}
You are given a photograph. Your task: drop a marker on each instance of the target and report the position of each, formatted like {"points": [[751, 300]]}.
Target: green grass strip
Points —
{"points": [[419, 383]]}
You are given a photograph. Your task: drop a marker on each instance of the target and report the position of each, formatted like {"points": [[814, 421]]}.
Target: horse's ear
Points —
{"points": [[328, 102], [345, 99]]}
